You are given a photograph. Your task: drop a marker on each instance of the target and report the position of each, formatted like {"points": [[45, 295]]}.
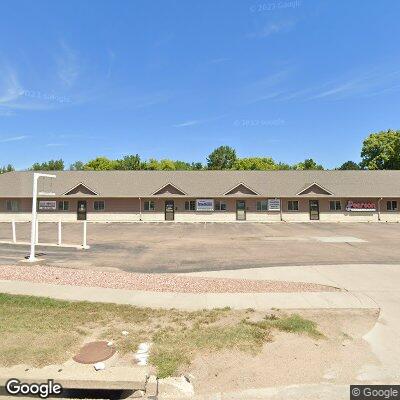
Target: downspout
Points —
{"points": [[379, 208], [280, 209], [140, 208]]}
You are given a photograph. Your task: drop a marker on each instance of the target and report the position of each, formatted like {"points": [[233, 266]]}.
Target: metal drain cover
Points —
{"points": [[94, 352]]}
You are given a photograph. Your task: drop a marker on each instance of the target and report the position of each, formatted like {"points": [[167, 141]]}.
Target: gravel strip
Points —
{"points": [[151, 282]]}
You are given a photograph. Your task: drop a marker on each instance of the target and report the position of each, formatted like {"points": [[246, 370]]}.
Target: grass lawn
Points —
{"points": [[40, 331]]}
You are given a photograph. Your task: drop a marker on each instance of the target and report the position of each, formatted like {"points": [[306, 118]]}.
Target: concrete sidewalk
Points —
{"points": [[379, 283], [192, 301]]}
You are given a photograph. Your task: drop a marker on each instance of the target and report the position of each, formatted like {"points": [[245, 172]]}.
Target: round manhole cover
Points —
{"points": [[94, 352]]}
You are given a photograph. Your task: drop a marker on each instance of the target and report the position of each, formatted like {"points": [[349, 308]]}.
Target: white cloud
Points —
{"points": [[149, 100], [14, 139], [218, 60], [13, 95], [272, 28], [187, 123], [359, 84], [197, 121], [68, 65], [55, 144], [268, 88], [7, 113], [10, 87], [367, 82]]}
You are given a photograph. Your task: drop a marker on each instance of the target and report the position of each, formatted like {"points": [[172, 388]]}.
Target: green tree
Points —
{"points": [[182, 165], [309, 163], [151, 164], [7, 168], [349, 165], [381, 150], [166, 165], [196, 166], [77, 166], [222, 157], [101, 164], [255, 163], [52, 165], [131, 162], [283, 166]]}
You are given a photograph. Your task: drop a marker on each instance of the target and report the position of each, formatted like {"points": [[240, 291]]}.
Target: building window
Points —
{"points": [[293, 205], [262, 205], [99, 205], [149, 205], [190, 205], [391, 205], [12, 205], [63, 205], [335, 205], [219, 205]]}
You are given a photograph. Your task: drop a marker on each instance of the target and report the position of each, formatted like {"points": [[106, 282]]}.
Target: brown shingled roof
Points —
{"points": [[210, 183]]}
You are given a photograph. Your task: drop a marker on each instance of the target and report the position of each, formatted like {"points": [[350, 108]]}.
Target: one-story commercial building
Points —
{"points": [[204, 196]]}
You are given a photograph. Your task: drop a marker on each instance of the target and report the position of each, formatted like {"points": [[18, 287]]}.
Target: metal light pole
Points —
{"points": [[36, 177]]}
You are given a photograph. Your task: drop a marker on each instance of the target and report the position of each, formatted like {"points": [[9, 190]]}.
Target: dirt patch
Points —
{"points": [[292, 359]]}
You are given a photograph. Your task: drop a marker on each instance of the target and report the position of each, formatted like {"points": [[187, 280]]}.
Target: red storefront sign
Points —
{"points": [[360, 206]]}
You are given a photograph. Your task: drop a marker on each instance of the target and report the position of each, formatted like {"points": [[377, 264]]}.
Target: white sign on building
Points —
{"points": [[360, 206], [205, 205], [46, 205], [274, 205]]}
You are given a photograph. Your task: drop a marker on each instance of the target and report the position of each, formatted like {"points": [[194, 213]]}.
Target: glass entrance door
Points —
{"points": [[240, 210], [169, 210], [314, 210], [81, 210]]}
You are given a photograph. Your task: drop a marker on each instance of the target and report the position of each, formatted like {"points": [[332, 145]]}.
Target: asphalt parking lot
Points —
{"points": [[178, 247]]}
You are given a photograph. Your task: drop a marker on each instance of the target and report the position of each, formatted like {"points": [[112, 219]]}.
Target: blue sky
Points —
{"points": [[175, 79]]}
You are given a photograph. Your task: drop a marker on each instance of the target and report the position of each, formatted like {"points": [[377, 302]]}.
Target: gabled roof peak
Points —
{"points": [[248, 188], [163, 189], [307, 188], [69, 191]]}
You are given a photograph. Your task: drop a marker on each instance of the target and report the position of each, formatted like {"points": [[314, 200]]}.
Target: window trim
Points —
{"points": [[99, 201], [189, 203], [335, 201], [261, 209], [17, 202], [63, 202], [391, 205], [293, 201], [149, 201], [220, 202]]}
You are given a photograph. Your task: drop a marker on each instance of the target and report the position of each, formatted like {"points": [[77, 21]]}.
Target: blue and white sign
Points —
{"points": [[45, 205], [205, 205], [274, 205]]}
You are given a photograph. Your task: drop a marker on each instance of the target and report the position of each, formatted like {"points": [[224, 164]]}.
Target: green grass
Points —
{"points": [[172, 349], [40, 331], [293, 323]]}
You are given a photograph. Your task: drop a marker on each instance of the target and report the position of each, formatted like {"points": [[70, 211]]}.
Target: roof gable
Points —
{"points": [[80, 189], [169, 189], [314, 189], [241, 189]]}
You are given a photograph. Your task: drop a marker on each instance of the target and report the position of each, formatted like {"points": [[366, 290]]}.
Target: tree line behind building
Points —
{"points": [[379, 151]]}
